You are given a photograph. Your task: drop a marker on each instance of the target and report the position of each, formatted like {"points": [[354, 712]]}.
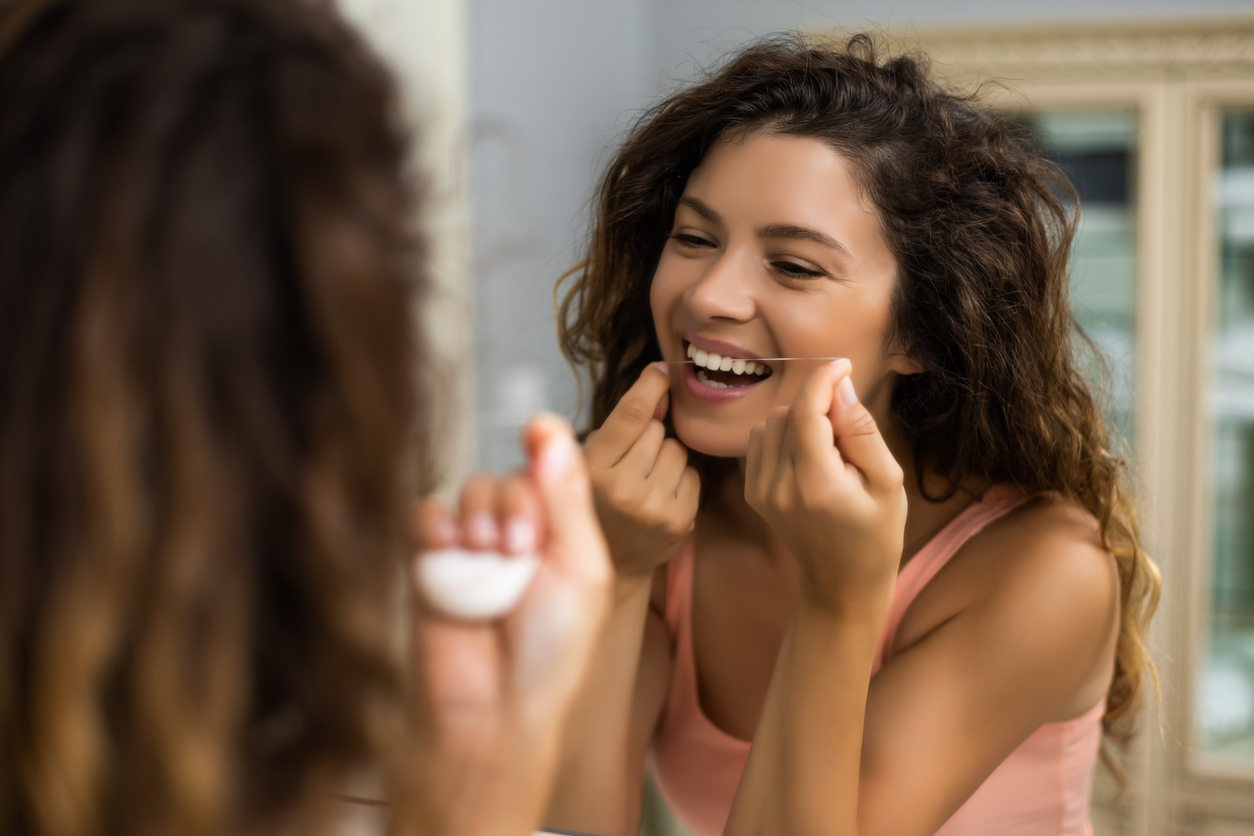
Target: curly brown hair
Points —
{"points": [[206, 397], [981, 227]]}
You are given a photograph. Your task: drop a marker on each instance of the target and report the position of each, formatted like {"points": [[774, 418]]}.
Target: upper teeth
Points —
{"points": [[717, 362]]}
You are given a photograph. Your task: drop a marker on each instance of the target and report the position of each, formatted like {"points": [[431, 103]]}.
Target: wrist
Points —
{"points": [[630, 586], [869, 604]]}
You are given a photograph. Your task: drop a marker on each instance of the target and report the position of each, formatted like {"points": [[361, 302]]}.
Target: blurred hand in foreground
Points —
{"points": [[493, 694]]}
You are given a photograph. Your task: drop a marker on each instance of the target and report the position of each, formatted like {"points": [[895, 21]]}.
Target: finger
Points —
{"points": [[668, 469], [817, 394], [432, 526], [773, 442], [630, 417], [859, 439], [688, 494], [641, 459], [659, 411], [479, 513], [521, 517], [811, 439], [662, 503], [768, 457], [575, 545]]}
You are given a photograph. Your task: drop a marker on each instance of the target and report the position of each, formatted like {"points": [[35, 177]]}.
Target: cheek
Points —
{"points": [[844, 324]]}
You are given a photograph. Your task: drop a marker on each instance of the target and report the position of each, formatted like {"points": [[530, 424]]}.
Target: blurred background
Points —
{"points": [[1149, 107]]}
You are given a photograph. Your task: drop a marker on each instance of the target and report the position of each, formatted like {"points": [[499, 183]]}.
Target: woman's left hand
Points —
{"points": [[821, 475], [493, 693]]}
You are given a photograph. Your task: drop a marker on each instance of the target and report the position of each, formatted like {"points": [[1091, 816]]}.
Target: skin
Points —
{"points": [[797, 556], [495, 693]]}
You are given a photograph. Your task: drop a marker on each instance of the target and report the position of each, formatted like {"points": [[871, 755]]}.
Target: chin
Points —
{"points": [[712, 439]]}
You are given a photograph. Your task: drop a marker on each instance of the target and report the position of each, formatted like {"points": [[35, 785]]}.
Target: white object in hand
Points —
{"points": [[474, 584]]}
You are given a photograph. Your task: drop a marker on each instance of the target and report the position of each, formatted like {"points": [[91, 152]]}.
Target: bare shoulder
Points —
{"points": [[1049, 551], [1044, 550], [1048, 595], [1036, 591]]}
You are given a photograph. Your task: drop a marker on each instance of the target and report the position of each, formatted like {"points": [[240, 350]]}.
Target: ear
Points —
{"points": [[901, 362]]}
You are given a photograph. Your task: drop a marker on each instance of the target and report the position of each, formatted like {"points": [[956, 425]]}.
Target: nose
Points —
{"points": [[725, 290]]}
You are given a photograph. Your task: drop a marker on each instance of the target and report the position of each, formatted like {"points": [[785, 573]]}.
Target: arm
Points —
{"points": [[1024, 636], [840, 508], [646, 499], [606, 740]]}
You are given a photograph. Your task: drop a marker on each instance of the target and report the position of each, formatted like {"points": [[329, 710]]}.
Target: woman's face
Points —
{"points": [[774, 252]]}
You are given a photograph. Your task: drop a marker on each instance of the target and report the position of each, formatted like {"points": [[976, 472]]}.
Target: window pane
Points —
{"points": [[1225, 699], [1097, 152]]}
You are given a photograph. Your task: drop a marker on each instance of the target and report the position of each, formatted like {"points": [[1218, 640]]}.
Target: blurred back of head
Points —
{"points": [[206, 398]]}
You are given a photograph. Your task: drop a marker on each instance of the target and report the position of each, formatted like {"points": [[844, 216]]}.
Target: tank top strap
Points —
{"points": [[996, 502]]}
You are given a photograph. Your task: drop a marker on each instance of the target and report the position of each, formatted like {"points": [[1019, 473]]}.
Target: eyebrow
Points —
{"points": [[801, 233], [776, 231], [701, 209]]}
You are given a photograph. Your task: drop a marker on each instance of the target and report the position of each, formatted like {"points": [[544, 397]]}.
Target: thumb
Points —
{"points": [[576, 545], [859, 440]]}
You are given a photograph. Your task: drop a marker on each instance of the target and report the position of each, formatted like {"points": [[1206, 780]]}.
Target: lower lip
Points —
{"points": [[708, 393]]}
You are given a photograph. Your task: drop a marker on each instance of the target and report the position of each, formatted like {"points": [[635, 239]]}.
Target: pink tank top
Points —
{"points": [[1041, 789]]}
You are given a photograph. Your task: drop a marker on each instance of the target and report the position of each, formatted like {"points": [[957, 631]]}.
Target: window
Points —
{"points": [[1224, 701], [1096, 150]]}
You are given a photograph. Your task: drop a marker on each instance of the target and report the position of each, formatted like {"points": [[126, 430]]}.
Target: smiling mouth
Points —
{"points": [[720, 372]]}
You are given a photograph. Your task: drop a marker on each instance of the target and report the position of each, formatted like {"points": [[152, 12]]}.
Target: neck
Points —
{"points": [[926, 517]]}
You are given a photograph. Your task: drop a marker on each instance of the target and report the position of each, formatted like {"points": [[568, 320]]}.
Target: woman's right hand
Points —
{"points": [[646, 494]]}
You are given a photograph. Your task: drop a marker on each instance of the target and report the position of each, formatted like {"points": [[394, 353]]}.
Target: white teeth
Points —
{"points": [[706, 380], [717, 362]]}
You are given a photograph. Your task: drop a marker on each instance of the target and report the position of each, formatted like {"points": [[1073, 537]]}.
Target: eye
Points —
{"points": [[687, 239], [793, 270]]}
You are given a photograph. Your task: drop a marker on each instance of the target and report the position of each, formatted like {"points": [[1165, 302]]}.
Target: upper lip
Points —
{"points": [[718, 347]]}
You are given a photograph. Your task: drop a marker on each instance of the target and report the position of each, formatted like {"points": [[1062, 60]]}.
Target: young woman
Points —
{"points": [[896, 593], [208, 426]]}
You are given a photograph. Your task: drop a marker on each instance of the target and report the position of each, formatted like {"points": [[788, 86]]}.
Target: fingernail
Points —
{"points": [[520, 536], [557, 457], [481, 529], [844, 391], [663, 367]]}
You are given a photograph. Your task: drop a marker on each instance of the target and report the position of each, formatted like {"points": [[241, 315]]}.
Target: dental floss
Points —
{"points": [[494, 423], [764, 359], [475, 585]]}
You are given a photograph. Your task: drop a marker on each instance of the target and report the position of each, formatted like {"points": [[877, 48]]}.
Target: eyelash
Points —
{"points": [[795, 271], [789, 269], [689, 240]]}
